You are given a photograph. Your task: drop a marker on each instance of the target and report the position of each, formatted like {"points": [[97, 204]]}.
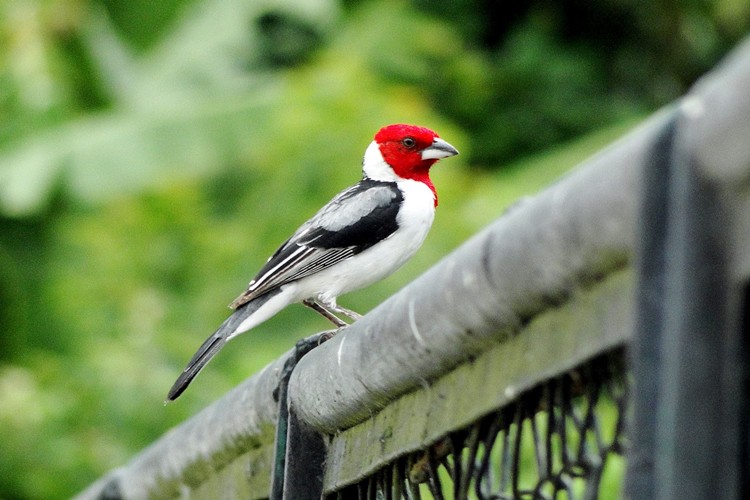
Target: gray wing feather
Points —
{"points": [[306, 252]]}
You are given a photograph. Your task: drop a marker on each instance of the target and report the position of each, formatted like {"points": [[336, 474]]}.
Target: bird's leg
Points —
{"points": [[326, 313], [347, 312], [332, 307]]}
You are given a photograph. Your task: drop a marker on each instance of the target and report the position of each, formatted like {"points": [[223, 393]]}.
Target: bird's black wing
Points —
{"points": [[350, 223]]}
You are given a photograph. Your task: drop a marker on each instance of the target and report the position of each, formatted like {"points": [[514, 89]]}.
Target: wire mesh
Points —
{"points": [[552, 442]]}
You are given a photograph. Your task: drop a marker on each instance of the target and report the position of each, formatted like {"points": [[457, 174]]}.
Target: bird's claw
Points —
{"points": [[329, 334]]}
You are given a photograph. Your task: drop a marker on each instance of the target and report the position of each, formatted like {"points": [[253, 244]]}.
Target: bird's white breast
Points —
{"points": [[414, 221]]}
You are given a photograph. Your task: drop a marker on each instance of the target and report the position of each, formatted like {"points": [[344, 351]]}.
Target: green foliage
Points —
{"points": [[527, 75], [152, 156]]}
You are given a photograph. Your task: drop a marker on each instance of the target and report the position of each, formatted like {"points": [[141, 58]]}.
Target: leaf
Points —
{"points": [[117, 153]]}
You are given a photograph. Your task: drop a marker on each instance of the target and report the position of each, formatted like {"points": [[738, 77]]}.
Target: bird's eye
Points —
{"points": [[409, 142]]}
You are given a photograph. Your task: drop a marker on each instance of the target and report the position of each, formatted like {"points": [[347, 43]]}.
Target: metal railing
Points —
{"points": [[500, 372]]}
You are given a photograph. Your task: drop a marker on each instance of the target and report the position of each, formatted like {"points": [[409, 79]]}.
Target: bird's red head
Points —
{"points": [[411, 151], [402, 146]]}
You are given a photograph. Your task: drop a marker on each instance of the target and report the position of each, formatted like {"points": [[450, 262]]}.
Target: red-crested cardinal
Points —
{"points": [[361, 236]]}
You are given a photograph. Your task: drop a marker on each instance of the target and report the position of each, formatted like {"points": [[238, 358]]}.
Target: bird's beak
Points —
{"points": [[438, 149]]}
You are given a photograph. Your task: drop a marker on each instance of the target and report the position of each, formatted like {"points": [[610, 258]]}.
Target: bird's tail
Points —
{"points": [[214, 343]]}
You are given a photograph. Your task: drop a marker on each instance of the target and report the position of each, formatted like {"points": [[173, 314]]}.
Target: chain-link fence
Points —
{"points": [[557, 438]]}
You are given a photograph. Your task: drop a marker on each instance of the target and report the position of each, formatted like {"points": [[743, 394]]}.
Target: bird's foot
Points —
{"points": [[328, 334], [325, 312], [348, 313]]}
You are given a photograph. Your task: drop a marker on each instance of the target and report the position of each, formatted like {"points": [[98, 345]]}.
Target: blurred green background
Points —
{"points": [[153, 154]]}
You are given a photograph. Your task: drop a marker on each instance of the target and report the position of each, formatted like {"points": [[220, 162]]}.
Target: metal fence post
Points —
{"points": [[690, 353], [300, 451], [645, 350]]}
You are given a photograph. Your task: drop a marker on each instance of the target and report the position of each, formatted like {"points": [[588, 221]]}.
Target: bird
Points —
{"points": [[365, 233]]}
